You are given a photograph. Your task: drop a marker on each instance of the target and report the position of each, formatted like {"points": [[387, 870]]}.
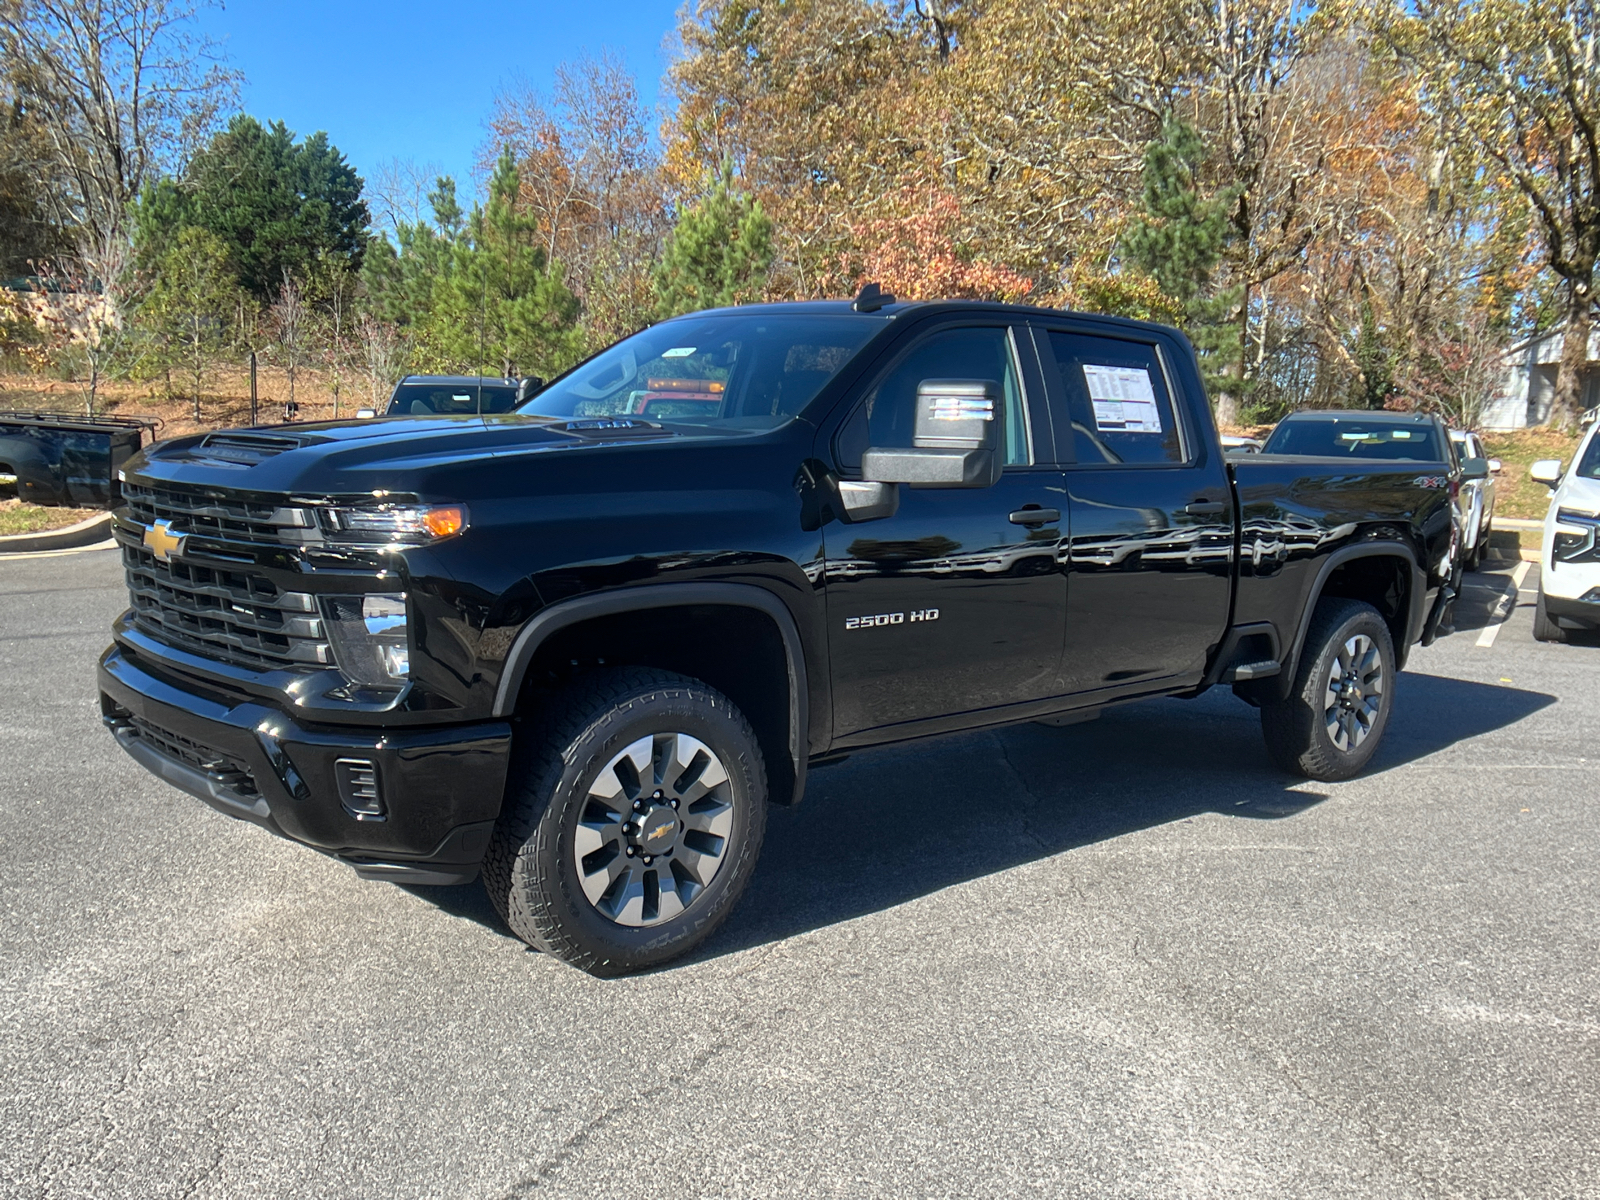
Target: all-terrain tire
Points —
{"points": [[1545, 628], [531, 872], [1312, 732]]}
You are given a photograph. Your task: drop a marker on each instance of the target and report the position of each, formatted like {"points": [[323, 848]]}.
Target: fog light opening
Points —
{"points": [[359, 790]]}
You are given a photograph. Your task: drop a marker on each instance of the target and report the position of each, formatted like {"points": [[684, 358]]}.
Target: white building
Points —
{"points": [[1529, 389]]}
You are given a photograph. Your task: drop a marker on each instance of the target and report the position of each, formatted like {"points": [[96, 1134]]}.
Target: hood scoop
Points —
{"points": [[608, 427], [245, 449]]}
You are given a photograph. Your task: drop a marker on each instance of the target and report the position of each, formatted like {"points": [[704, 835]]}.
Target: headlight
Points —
{"points": [[406, 523], [369, 638], [1574, 539]]}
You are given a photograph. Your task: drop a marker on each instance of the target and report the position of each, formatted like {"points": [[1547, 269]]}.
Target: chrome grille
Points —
{"points": [[221, 521], [224, 769], [234, 614]]}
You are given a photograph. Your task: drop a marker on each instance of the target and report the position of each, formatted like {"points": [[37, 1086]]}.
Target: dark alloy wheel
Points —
{"points": [[632, 821], [1330, 724]]}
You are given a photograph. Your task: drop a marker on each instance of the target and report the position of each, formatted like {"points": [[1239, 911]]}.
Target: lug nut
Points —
{"points": [[658, 793], [631, 852], [647, 860], [674, 804], [638, 806]]}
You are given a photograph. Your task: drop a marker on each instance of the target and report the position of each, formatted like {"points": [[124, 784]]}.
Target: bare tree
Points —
{"points": [[124, 89], [397, 193], [93, 298], [289, 325], [1522, 82], [383, 351]]}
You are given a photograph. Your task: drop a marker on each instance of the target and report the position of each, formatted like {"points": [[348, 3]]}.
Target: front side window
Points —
{"points": [[1117, 401], [732, 370], [887, 417]]}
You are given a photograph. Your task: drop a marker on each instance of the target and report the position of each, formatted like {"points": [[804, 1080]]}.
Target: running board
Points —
{"points": [[1243, 672]]}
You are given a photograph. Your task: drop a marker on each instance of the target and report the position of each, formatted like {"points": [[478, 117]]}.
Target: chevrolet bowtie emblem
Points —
{"points": [[161, 541], [658, 831]]}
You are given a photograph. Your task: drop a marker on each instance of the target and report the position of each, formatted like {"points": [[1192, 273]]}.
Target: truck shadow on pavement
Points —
{"points": [[889, 826]]}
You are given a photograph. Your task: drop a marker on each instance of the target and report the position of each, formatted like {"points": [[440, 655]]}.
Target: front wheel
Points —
{"points": [[1545, 628], [1329, 726], [632, 821]]}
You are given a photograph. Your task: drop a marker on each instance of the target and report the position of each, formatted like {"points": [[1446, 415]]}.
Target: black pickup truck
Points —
{"points": [[62, 458], [578, 647]]}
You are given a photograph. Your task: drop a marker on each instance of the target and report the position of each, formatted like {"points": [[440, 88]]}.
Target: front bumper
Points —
{"points": [[440, 789]]}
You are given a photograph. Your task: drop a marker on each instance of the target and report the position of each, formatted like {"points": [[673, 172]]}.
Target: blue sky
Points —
{"points": [[410, 80]]}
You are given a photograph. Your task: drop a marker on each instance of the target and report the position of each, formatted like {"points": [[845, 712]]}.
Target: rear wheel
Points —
{"points": [[632, 821], [1330, 725], [1545, 628]]}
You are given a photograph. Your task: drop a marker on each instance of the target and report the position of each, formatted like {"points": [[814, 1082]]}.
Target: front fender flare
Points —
{"points": [[671, 595]]}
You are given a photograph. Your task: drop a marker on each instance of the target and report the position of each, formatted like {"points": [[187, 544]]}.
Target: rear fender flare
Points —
{"points": [[1415, 598]]}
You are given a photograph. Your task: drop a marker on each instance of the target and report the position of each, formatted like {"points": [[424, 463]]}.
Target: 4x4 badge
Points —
{"points": [[161, 541]]}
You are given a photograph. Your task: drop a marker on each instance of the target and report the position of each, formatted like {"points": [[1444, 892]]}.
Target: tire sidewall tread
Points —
{"points": [[1294, 728], [528, 871]]}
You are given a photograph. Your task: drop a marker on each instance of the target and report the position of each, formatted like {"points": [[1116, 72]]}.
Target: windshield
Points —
{"points": [[734, 371], [1589, 465], [421, 399], [1352, 437]]}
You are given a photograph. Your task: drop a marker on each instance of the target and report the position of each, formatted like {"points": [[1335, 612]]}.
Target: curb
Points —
{"points": [[84, 533], [1518, 523]]}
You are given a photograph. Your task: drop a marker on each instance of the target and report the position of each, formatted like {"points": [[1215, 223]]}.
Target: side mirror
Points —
{"points": [[366, 414], [1494, 466], [957, 440], [1475, 468], [1546, 471], [530, 387]]}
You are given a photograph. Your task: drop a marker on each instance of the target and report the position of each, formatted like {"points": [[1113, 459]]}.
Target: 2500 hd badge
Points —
{"points": [[899, 618]]}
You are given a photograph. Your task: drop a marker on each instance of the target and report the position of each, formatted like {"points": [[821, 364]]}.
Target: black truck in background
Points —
{"points": [[577, 648], [61, 459]]}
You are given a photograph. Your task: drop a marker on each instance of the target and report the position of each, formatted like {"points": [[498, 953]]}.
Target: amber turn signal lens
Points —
{"points": [[442, 522]]}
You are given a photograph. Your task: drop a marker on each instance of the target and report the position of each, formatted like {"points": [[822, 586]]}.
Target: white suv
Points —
{"points": [[1569, 570]]}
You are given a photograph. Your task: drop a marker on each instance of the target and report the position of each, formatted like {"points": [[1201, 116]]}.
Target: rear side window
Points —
{"points": [[1354, 437], [1117, 400]]}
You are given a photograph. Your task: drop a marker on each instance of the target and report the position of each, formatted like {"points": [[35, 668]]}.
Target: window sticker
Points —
{"points": [[678, 352], [1124, 400]]}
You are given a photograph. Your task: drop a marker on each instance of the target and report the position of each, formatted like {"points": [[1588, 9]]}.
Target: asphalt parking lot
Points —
{"points": [[1119, 959]]}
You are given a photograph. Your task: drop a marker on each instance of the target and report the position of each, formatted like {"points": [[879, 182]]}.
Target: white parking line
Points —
{"points": [[1503, 609]]}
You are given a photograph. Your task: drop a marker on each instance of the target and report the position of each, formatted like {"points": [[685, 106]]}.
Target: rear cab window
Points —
{"points": [[1356, 437], [1117, 400]]}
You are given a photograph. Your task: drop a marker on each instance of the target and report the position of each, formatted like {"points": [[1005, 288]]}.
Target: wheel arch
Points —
{"points": [[595, 614], [1372, 572]]}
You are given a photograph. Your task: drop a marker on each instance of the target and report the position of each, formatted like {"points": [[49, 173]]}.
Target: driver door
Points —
{"points": [[957, 601]]}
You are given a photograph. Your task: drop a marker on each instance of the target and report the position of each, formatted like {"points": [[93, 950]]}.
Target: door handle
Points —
{"points": [[1032, 514], [1204, 508]]}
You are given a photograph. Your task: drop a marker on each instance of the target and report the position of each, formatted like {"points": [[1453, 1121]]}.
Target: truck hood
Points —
{"points": [[1580, 494], [393, 454]]}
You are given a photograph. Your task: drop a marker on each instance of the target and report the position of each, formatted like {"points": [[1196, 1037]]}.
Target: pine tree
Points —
{"points": [[718, 253], [498, 304], [1177, 240]]}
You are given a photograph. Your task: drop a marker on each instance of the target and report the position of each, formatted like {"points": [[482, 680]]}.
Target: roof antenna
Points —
{"points": [[871, 298]]}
